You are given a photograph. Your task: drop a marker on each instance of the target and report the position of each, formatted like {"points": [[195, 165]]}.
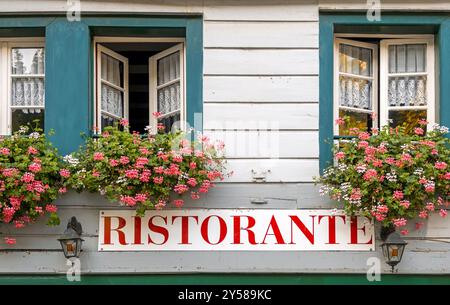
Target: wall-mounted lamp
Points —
{"points": [[71, 239], [393, 247]]}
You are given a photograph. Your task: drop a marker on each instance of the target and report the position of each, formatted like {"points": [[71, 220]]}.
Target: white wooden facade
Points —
{"points": [[261, 96]]}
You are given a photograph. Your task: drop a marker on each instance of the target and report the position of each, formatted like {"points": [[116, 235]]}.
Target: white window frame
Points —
{"points": [[97, 40], [430, 107], [153, 85], [385, 41], [101, 49], [6, 45], [337, 73]]}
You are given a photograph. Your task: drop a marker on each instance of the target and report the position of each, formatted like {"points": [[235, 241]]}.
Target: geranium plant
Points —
{"points": [[391, 175], [30, 178], [147, 171]]}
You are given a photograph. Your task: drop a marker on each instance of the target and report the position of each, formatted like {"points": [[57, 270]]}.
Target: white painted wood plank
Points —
{"points": [[268, 144], [281, 170], [261, 116], [292, 10], [241, 34], [420, 256], [261, 89], [121, 6], [408, 5], [261, 62]]}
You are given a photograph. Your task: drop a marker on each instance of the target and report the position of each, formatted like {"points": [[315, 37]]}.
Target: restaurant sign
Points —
{"points": [[234, 230]]}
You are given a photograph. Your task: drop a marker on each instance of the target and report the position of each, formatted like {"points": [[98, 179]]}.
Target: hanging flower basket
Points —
{"points": [[146, 172], [30, 178], [391, 175]]}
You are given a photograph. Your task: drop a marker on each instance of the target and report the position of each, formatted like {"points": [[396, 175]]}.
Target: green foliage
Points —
{"points": [[147, 171], [392, 175], [29, 177]]}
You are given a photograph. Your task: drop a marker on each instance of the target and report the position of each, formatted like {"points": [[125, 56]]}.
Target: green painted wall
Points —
{"points": [[230, 279], [67, 103]]}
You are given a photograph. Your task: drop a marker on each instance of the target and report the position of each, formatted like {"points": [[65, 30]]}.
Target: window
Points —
{"points": [[22, 86], [137, 77], [383, 82]]}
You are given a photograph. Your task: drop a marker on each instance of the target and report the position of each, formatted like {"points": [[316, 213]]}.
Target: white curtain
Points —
{"points": [[169, 96], [354, 91], [28, 90], [112, 98], [407, 90]]}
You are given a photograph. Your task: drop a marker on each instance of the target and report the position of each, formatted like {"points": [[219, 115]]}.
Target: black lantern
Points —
{"points": [[393, 248], [71, 239]]}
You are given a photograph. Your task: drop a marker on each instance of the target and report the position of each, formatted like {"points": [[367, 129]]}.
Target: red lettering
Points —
{"points": [[276, 232], [238, 228], [184, 228], [107, 230], [354, 232], [222, 229], [331, 227], [158, 229], [307, 233], [137, 230]]}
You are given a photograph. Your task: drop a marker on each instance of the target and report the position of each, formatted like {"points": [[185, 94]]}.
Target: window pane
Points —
{"points": [[407, 58], [28, 61], [112, 70], [355, 60], [354, 92], [169, 98], [112, 100], [21, 117], [362, 121], [407, 118], [168, 68], [108, 120], [169, 121], [27, 91], [407, 91]]}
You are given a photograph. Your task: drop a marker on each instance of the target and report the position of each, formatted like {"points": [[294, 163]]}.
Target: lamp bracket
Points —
{"points": [[385, 231], [75, 225]]}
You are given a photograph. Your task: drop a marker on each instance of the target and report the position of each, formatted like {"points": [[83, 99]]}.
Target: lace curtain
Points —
{"points": [[112, 98], [355, 85], [407, 90], [169, 95], [27, 91]]}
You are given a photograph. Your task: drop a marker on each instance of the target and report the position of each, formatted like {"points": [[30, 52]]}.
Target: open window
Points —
{"points": [[380, 82], [167, 87], [137, 77], [22, 84], [112, 84]]}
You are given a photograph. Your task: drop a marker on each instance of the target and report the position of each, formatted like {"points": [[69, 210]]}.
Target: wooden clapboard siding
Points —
{"points": [[422, 257], [281, 170], [284, 116], [276, 35], [261, 88], [284, 10], [261, 62], [268, 144], [409, 5], [261, 73]]}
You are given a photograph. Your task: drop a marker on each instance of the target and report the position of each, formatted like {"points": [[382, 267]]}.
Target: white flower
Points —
{"points": [[361, 168], [392, 176], [34, 135], [23, 129], [71, 160], [148, 128], [418, 171]]}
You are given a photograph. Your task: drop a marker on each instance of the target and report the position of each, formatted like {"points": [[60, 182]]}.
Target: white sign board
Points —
{"points": [[234, 230]]}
